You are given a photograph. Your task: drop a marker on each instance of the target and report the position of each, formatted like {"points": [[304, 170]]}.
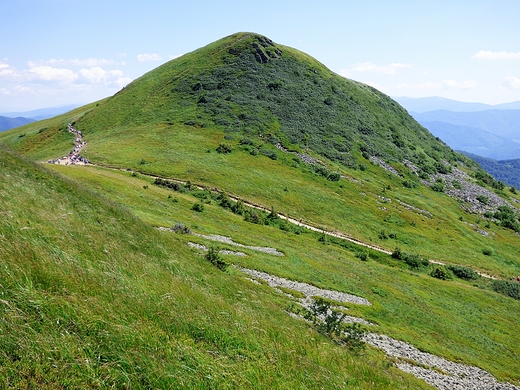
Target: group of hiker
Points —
{"points": [[74, 157]]}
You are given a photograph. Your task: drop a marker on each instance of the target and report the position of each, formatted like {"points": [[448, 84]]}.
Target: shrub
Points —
{"points": [[483, 199], [253, 216], [397, 253], [354, 335], [487, 252], [440, 272], [198, 207], [334, 176], [441, 168], [462, 272], [225, 201], [224, 148], [383, 235], [513, 190], [410, 184], [362, 255], [214, 258], [182, 229], [330, 323], [415, 261], [456, 185], [506, 287], [238, 207], [438, 187], [269, 153]]}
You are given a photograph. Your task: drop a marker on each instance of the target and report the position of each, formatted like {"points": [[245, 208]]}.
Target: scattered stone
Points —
{"points": [[384, 165], [306, 289], [223, 251], [228, 240]]}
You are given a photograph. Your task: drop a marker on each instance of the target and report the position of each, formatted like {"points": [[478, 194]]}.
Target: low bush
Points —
{"points": [[214, 258], [182, 229], [506, 287], [483, 199], [198, 207], [441, 272], [224, 149], [462, 272], [487, 252]]}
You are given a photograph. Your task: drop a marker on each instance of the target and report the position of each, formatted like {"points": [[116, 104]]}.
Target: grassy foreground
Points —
{"points": [[462, 321], [93, 297]]}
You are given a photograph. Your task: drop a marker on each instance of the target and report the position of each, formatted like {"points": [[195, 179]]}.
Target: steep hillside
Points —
{"points": [[93, 297]]}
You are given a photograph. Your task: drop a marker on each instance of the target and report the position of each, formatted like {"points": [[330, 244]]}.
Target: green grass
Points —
{"points": [[93, 297], [455, 319]]}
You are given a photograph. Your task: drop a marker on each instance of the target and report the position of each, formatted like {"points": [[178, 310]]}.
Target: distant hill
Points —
{"points": [[438, 103], [491, 131], [10, 123], [507, 171], [42, 113]]}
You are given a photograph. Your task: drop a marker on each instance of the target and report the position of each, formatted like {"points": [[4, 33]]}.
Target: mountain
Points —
{"points": [[507, 171], [436, 103], [9, 123], [323, 193], [42, 113], [491, 133]]}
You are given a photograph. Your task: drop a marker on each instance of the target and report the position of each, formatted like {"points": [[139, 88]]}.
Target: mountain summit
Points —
{"points": [[247, 85]]}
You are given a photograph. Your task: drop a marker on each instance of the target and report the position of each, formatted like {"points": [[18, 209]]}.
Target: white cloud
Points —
{"points": [[148, 57], [97, 74], [511, 83], [48, 73], [363, 67], [496, 55], [123, 81]]}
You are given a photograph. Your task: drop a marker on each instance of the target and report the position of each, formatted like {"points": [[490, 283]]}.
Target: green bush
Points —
{"points": [[438, 187], [506, 287], [214, 258], [224, 148], [456, 184], [462, 272], [487, 252], [269, 153], [483, 199], [198, 207], [440, 272]]}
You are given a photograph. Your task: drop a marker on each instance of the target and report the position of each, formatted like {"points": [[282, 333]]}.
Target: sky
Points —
{"points": [[61, 52]]}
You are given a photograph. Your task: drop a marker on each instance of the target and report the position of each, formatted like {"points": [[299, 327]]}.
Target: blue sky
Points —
{"points": [[60, 52]]}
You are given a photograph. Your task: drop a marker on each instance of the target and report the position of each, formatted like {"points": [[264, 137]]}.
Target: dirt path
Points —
{"points": [[74, 157]]}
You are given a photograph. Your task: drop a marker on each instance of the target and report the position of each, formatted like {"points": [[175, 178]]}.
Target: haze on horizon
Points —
{"points": [[61, 52]]}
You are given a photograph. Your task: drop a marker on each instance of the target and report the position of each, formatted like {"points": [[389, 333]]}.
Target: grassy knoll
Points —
{"points": [[93, 297], [455, 319]]}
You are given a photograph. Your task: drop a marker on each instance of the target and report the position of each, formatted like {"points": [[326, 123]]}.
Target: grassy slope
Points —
{"points": [[449, 318], [145, 123], [453, 319], [92, 297]]}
